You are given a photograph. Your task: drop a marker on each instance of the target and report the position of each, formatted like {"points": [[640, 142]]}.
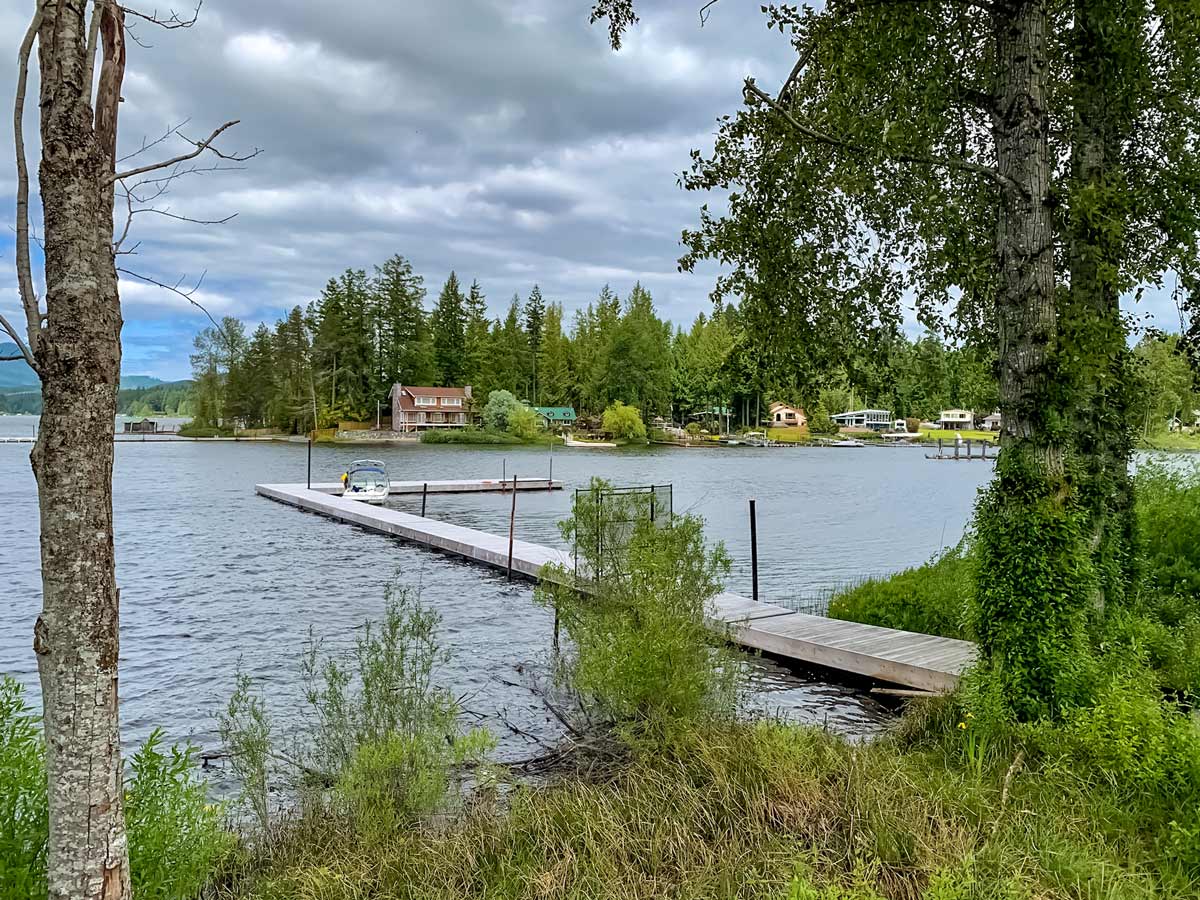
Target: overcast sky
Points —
{"points": [[499, 138]]}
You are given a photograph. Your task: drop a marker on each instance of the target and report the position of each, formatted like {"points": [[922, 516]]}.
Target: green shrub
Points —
{"points": [[624, 422], [176, 837], [23, 810], [819, 421], [1168, 513], [523, 423], [467, 436], [933, 598], [644, 653], [693, 428], [380, 732], [499, 408], [394, 781], [204, 431]]}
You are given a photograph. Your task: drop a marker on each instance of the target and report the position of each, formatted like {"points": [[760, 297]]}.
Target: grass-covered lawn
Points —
{"points": [[1166, 440], [932, 434], [789, 435]]}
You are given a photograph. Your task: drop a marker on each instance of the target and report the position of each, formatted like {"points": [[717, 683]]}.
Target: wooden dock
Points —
{"points": [[920, 661]]}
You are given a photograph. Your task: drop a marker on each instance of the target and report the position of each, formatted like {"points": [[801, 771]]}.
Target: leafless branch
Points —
{"points": [[947, 162], [172, 21], [704, 11], [92, 44], [29, 301], [200, 147], [131, 196], [187, 294], [146, 145], [21, 345]]}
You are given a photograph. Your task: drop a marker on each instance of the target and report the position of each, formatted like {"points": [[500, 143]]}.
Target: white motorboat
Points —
{"points": [[366, 480], [846, 443]]}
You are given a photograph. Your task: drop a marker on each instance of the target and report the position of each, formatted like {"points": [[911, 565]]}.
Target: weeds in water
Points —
{"points": [[383, 741]]}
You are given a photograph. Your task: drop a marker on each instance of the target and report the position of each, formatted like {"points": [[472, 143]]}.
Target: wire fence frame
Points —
{"points": [[616, 511]]}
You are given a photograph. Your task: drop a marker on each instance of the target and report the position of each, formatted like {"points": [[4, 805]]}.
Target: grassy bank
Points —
{"points": [[1167, 440], [767, 811]]}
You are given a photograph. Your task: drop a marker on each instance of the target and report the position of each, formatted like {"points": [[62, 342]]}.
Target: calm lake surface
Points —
{"points": [[211, 574]]}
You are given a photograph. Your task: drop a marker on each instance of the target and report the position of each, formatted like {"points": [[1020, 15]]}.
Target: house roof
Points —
{"points": [[402, 396], [780, 405], [417, 391], [555, 412], [885, 413]]}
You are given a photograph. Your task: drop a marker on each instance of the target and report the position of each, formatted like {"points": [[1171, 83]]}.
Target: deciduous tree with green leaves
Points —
{"points": [[1030, 161]]}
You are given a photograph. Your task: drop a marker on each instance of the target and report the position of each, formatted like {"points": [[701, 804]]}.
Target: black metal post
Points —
{"points": [[754, 549], [424, 497], [309, 482], [512, 521]]}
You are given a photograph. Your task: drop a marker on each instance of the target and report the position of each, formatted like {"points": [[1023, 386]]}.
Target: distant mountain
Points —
{"points": [[16, 373], [139, 381]]}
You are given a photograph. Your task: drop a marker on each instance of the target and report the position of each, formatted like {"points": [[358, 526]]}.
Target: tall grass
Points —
{"points": [[933, 598], [765, 811]]}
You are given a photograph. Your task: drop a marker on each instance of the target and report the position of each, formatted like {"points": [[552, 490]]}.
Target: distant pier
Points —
{"points": [[920, 661]]}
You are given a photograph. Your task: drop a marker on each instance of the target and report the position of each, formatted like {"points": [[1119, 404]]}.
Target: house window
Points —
{"points": [[425, 401], [452, 401]]}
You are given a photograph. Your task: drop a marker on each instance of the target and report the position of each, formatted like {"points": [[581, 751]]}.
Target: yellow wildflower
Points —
{"points": [[962, 725]]}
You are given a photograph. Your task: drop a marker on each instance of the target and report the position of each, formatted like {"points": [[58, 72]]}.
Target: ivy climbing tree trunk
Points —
{"points": [[1030, 571], [78, 353], [1104, 44]]}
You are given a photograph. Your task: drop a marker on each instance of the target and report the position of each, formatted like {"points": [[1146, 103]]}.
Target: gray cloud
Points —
{"points": [[499, 138], [504, 140]]}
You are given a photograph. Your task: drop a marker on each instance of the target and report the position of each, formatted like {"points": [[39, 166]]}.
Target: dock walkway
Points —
{"points": [[920, 661]]}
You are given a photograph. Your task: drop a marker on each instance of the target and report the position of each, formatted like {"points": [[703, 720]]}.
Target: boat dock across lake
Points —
{"points": [[920, 661]]}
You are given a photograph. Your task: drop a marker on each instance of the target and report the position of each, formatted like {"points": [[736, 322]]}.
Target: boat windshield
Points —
{"points": [[367, 479]]}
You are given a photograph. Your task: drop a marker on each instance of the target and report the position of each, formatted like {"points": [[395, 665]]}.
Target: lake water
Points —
{"points": [[211, 574]]}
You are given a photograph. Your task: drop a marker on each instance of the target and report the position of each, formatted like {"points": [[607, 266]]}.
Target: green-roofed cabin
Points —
{"points": [[556, 416]]}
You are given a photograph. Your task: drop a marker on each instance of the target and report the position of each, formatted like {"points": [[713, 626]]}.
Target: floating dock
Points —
{"points": [[920, 661]]}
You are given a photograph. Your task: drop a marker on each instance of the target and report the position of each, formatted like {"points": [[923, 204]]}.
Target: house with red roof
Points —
{"points": [[422, 408]]}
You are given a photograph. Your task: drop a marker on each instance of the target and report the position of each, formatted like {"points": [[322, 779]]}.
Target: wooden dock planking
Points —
{"points": [[921, 661]]}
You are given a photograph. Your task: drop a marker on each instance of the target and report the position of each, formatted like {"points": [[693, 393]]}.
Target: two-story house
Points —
{"points": [[420, 408]]}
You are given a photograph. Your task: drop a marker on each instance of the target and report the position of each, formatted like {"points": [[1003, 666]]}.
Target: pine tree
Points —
{"points": [[511, 347], [405, 347], [554, 368], [478, 363], [449, 322], [640, 356], [294, 401], [535, 318]]}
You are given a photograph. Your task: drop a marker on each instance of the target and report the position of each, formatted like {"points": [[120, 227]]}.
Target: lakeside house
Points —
{"points": [[956, 419], [556, 416], [784, 416], [869, 419], [991, 423], [422, 408]]}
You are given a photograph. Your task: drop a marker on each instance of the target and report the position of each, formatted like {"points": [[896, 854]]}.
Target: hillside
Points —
{"points": [[16, 373]]}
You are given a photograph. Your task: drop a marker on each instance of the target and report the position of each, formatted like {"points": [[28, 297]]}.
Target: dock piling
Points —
{"points": [[754, 550], [308, 482], [424, 497], [512, 521]]}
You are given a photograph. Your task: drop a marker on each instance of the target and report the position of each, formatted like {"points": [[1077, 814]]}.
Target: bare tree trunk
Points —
{"points": [[1030, 577], [79, 361]]}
